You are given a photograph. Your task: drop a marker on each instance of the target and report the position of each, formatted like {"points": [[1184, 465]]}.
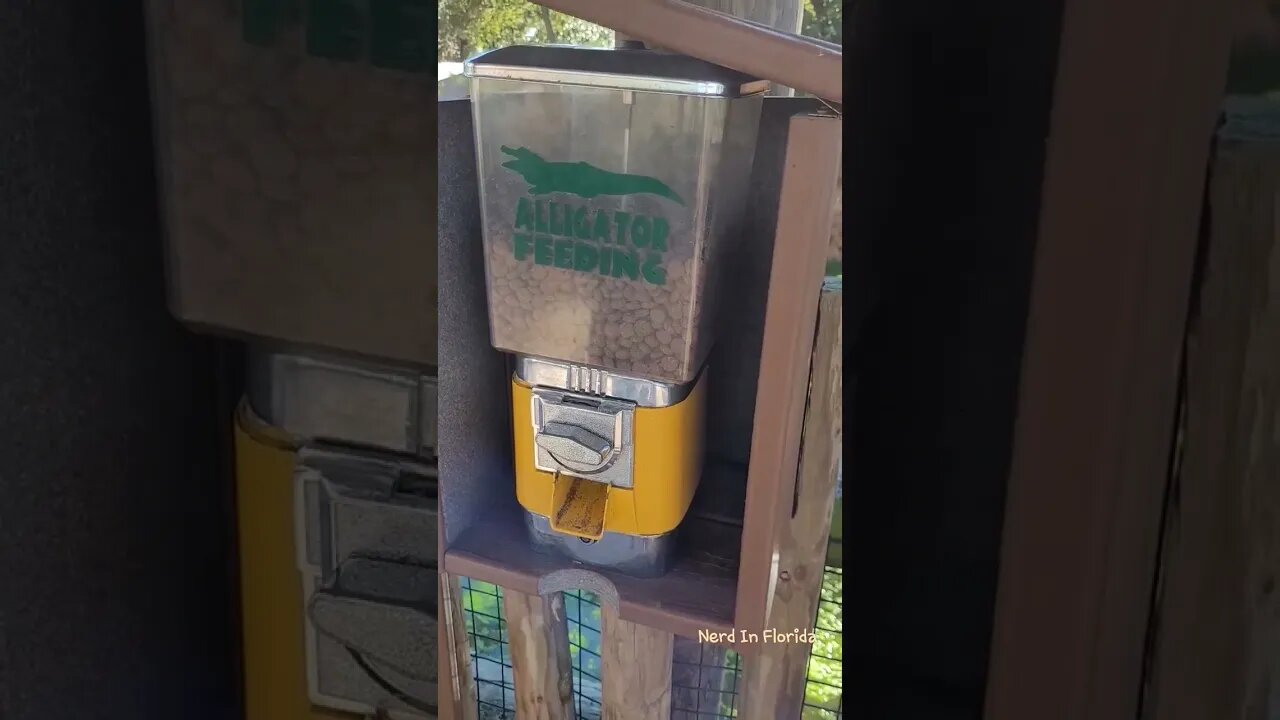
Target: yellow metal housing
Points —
{"points": [[275, 683], [668, 464]]}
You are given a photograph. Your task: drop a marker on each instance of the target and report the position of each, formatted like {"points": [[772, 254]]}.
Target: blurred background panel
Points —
{"points": [[115, 530]]}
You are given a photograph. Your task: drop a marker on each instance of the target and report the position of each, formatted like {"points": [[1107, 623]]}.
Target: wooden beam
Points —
{"points": [[539, 638], [1129, 137], [636, 669], [790, 59], [1217, 642], [781, 15], [446, 702], [773, 681]]}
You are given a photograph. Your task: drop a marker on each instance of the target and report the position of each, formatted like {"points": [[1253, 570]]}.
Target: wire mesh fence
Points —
{"points": [[582, 612], [824, 695], [490, 654], [705, 679]]}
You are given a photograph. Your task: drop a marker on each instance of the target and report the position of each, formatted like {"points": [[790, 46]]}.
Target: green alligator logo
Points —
{"points": [[581, 179]]}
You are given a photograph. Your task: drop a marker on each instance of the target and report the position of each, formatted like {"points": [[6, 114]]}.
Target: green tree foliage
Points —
{"points": [[822, 19], [584, 624], [471, 26], [480, 601], [823, 691]]}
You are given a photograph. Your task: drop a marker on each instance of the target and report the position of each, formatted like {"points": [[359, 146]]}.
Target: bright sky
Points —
{"points": [[448, 69]]}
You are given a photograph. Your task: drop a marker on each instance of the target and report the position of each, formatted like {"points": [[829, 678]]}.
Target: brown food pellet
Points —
{"points": [[606, 330]]}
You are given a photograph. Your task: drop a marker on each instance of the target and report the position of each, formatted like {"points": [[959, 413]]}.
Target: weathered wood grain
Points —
{"points": [[539, 637], [773, 681], [1216, 649], [457, 682], [636, 668], [1130, 132]]}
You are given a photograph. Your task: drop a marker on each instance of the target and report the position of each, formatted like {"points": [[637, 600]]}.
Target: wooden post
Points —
{"points": [[773, 681], [1131, 127], [446, 702], [1216, 650], [539, 636], [456, 685], [804, 226], [636, 669]]}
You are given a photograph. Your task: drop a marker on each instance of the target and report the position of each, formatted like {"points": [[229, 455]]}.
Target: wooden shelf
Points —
{"points": [[698, 593]]}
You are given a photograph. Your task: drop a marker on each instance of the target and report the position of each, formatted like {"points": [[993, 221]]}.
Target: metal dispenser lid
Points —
{"points": [[623, 69]]}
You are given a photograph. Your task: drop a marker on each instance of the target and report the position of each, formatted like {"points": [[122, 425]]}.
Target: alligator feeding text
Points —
{"points": [[576, 237]]}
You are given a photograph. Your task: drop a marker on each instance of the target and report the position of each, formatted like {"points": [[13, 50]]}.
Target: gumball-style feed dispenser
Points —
{"points": [[611, 182]]}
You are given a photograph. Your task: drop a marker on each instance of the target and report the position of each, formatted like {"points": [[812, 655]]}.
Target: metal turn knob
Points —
{"points": [[570, 443]]}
